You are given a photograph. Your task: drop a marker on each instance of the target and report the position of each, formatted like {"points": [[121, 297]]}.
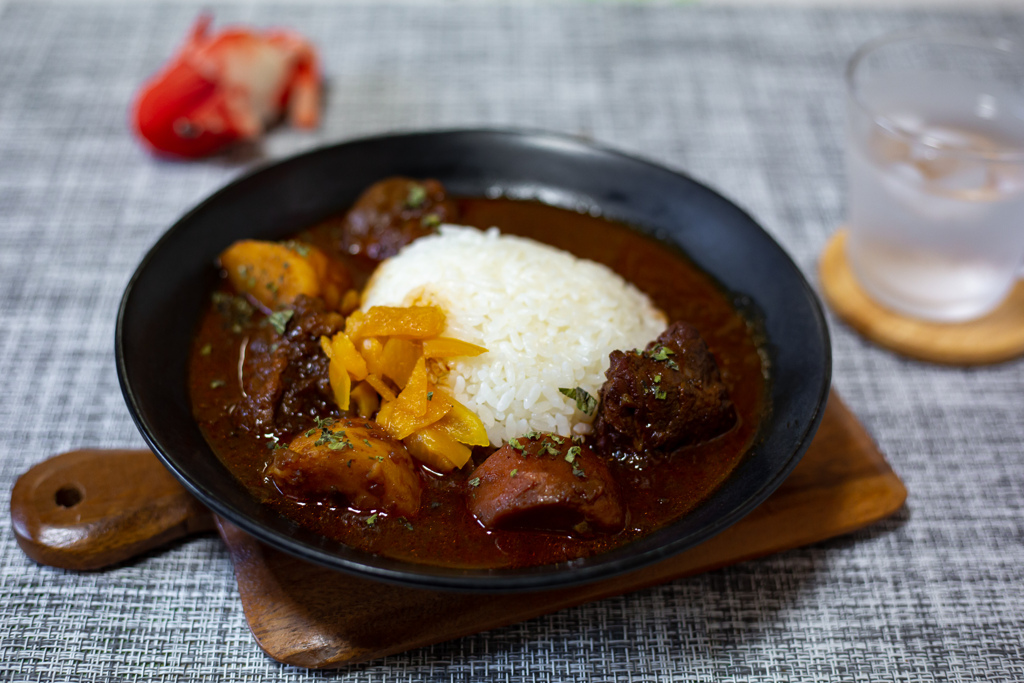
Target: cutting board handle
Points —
{"points": [[93, 508]]}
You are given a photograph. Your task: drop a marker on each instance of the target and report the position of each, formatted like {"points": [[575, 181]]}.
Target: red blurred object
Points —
{"points": [[227, 87]]}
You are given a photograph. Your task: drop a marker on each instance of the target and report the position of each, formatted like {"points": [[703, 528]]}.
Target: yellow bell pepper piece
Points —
{"points": [[345, 351], [399, 358], [341, 383], [462, 424], [446, 347], [414, 398], [366, 400], [437, 450], [400, 423], [412, 322], [372, 351], [381, 386]]}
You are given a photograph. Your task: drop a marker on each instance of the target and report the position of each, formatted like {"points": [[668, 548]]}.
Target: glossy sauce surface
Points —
{"points": [[445, 532]]}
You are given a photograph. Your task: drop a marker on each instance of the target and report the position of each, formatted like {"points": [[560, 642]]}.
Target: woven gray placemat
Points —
{"points": [[746, 99]]}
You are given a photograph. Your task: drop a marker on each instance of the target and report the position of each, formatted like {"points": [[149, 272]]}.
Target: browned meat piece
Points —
{"points": [[669, 396], [393, 213], [285, 375], [546, 482], [354, 458]]}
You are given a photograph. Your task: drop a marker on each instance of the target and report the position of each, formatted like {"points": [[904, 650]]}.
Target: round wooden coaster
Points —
{"points": [[997, 337]]}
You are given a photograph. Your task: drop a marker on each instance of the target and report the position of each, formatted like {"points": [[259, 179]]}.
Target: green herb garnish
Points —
{"points": [[430, 395], [298, 247], [475, 481], [372, 519], [274, 442], [574, 451], [417, 195], [431, 220], [235, 310], [661, 353], [660, 395], [513, 473], [585, 403], [279, 319], [217, 384]]}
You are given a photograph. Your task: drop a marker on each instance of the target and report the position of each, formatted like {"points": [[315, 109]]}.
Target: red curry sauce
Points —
{"points": [[445, 532]]}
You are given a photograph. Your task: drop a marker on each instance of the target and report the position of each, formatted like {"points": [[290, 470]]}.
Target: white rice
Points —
{"points": [[548, 319]]}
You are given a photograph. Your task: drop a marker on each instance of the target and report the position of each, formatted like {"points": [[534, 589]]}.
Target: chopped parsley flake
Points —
{"points": [[430, 395], [475, 481], [417, 195], [531, 435], [517, 445], [657, 378], [549, 448], [585, 403], [235, 310], [406, 523], [372, 519], [660, 395], [279, 320], [298, 247], [335, 441], [274, 442], [574, 451], [367, 442], [513, 473], [217, 384], [431, 220], [661, 353], [205, 351]]}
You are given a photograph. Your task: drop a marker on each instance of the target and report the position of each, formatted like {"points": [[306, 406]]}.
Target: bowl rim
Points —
{"points": [[432, 577]]}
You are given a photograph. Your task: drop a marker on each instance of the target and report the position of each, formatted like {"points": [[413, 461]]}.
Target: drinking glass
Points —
{"points": [[935, 170]]}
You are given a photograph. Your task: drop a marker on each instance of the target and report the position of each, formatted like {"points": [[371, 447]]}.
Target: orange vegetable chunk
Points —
{"points": [[463, 425], [399, 358], [332, 276], [412, 322], [413, 398], [446, 347], [436, 449], [271, 273]]}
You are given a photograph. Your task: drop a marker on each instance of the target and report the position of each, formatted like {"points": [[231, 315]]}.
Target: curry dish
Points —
{"points": [[670, 423]]}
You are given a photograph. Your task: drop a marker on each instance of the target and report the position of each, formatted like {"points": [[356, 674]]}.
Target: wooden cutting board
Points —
{"points": [[308, 616], [305, 615]]}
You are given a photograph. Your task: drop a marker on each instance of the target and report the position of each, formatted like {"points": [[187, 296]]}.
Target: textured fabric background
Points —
{"points": [[748, 100]]}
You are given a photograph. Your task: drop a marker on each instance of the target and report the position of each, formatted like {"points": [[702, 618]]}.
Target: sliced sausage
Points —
{"points": [[544, 481]]}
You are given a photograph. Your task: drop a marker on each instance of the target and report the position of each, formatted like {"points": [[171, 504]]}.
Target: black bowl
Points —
{"points": [[163, 301]]}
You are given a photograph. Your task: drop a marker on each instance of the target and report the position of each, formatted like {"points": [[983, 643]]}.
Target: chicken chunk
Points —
{"points": [[355, 458], [546, 482], [669, 396]]}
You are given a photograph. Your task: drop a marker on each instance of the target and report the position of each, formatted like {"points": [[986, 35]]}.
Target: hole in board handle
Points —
{"points": [[68, 496]]}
